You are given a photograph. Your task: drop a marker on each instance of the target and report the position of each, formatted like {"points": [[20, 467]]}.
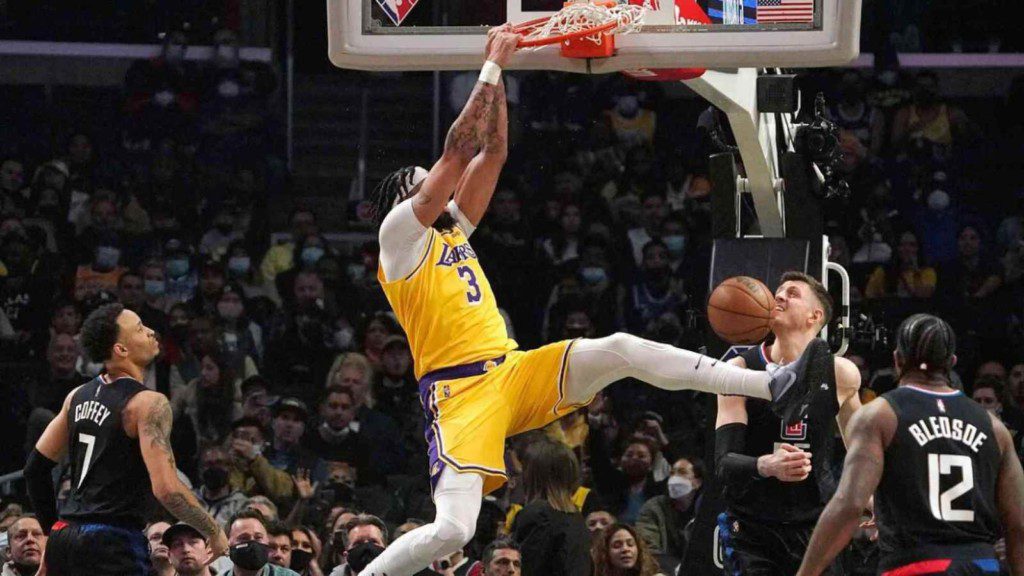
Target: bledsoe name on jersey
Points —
{"points": [[927, 429]]}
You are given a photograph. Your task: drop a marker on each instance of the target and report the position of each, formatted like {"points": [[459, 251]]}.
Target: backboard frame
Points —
{"points": [[356, 42]]}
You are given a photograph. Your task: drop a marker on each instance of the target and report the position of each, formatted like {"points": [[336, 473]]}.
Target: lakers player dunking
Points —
{"points": [[775, 490], [476, 387], [116, 433], [945, 477]]}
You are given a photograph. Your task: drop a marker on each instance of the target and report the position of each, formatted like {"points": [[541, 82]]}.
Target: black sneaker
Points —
{"points": [[792, 384]]}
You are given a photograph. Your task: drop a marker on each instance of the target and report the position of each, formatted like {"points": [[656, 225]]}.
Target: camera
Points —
{"points": [[819, 143]]}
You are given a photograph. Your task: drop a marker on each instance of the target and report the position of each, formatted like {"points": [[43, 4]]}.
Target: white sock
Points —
{"points": [[457, 498], [594, 364]]}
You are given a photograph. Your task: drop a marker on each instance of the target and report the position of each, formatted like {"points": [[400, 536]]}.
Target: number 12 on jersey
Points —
{"points": [[940, 465], [475, 294]]}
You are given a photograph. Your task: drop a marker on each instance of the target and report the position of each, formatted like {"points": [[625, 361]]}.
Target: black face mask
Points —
{"points": [[251, 555], [215, 478], [360, 556], [300, 560]]}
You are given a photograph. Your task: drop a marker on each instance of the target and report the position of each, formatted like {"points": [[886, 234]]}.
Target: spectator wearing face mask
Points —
{"points": [[103, 271], [628, 485], [251, 472], [215, 491], [249, 550], [242, 271], [26, 544], [663, 519], [240, 337], [309, 250], [305, 551], [550, 528], [338, 436], [630, 123], [181, 280], [367, 537], [153, 308], [158, 553]]}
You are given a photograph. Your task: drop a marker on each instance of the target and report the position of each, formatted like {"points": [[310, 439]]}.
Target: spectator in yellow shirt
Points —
{"points": [[905, 277]]}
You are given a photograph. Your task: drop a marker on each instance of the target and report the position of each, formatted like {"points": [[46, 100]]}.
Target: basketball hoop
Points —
{"points": [[584, 28]]}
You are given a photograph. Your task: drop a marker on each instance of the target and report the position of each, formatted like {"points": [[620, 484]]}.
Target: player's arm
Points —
{"points": [[788, 463], [474, 191], [50, 449], [731, 465], [848, 392], [154, 418], [465, 137], [1010, 498], [870, 431]]}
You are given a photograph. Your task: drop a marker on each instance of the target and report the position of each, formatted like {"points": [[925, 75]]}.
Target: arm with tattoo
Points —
{"points": [[870, 432], [154, 425], [465, 140], [475, 189]]}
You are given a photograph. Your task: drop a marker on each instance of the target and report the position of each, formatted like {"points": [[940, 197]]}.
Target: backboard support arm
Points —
{"points": [[735, 94]]}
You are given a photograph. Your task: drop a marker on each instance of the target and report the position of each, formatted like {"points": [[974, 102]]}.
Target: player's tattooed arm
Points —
{"points": [[870, 432], [465, 136], [496, 130], [155, 442]]}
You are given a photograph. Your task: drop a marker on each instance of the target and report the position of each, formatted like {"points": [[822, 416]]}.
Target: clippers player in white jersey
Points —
{"points": [[116, 434], [943, 471]]}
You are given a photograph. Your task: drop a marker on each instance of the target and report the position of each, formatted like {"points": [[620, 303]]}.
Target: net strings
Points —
{"points": [[583, 14]]}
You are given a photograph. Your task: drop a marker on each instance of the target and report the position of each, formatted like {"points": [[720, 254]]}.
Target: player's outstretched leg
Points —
{"points": [[457, 498], [596, 363]]}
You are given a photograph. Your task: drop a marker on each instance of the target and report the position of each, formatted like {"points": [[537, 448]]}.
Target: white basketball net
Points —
{"points": [[582, 14]]}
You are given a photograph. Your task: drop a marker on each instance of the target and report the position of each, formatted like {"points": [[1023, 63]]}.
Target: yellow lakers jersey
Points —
{"points": [[447, 307]]}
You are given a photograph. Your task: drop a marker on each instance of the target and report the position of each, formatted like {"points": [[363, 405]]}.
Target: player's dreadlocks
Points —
{"points": [[397, 184], [926, 343]]}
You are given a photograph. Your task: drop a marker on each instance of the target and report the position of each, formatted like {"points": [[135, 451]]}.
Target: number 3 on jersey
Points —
{"points": [[475, 294]]}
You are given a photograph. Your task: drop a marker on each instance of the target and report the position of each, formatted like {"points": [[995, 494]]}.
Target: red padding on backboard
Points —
{"points": [[687, 12]]}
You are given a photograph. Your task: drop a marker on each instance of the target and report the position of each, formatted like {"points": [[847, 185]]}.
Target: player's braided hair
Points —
{"points": [[926, 343], [387, 190]]}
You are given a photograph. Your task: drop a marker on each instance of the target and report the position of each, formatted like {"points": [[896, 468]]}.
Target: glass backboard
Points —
{"points": [[450, 34]]}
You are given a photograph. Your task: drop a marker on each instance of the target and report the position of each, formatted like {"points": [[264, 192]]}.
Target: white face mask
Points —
{"points": [[679, 487], [938, 200]]}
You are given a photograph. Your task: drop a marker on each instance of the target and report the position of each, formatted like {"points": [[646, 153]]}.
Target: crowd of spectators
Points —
{"points": [[297, 416]]}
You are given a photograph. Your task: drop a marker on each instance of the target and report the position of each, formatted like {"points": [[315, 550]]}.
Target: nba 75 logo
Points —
{"points": [[397, 10], [796, 431]]}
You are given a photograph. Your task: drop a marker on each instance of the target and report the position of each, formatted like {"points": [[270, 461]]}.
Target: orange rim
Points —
{"points": [[599, 29]]}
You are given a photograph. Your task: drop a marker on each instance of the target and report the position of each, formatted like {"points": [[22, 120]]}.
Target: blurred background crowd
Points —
{"points": [[291, 382]]}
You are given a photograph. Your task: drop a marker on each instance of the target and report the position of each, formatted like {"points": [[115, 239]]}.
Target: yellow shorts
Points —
{"points": [[471, 409]]}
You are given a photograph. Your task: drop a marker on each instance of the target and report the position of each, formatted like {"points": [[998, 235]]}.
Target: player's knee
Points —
{"points": [[454, 533], [623, 343]]}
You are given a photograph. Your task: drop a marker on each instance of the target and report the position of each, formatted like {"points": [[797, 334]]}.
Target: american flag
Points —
{"points": [[785, 11]]}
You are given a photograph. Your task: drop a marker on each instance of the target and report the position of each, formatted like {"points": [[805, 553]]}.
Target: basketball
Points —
{"points": [[739, 310]]}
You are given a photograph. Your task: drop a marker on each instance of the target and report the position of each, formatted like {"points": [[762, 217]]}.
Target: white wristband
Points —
{"points": [[490, 73]]}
